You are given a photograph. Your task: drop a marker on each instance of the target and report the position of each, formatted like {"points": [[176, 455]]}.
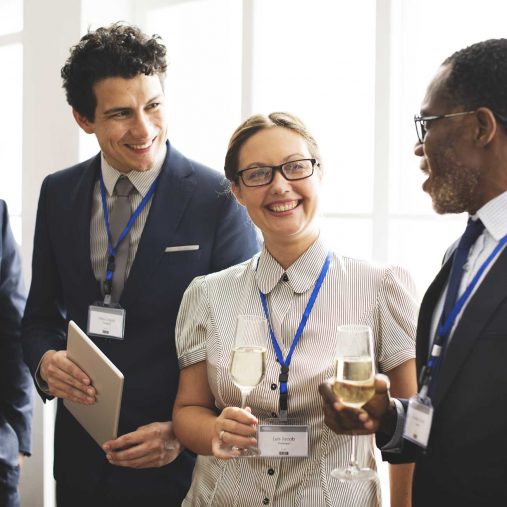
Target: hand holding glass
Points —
{"points": [[354, 385], [248, 360]]}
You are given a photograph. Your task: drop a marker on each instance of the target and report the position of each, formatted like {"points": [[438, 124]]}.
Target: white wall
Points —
{"points": [[50, 142]]}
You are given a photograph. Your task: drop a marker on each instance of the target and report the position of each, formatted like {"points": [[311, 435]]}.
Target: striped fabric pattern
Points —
{"points": [[98, 235], [354, 292]]}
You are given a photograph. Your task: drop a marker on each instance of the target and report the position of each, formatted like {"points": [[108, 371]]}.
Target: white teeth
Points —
{"points": [[140, 146], [283, 207]]}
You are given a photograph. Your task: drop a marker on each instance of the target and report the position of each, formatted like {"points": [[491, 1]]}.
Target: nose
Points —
{"points": [[141, 127], [279, 185], [419, 149]]}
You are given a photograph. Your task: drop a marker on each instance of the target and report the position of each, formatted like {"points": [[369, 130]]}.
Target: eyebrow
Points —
{"points": [[119, 109], [284, 161]]}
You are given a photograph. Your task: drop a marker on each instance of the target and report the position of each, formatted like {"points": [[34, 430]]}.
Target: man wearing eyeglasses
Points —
{"points": [[455, 429]]}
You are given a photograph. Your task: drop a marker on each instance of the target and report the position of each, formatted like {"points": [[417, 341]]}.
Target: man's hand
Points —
{"points": [[377, 415], [65, 379], [150, 446]]}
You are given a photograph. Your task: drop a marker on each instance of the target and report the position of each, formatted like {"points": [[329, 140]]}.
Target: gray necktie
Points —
{"points": [[120, 216]]}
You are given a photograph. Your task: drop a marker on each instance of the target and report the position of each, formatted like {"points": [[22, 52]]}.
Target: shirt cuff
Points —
{"points": [[41, 384], [395, 444]]}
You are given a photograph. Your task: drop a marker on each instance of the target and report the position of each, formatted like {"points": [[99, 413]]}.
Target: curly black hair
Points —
{"points": [[118, 50], [478, 77]]}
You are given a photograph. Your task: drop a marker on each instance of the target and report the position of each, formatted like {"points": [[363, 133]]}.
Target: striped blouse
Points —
{"points": [[353, 292]]}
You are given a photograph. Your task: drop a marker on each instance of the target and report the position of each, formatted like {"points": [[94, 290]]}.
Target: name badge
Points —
{"points": [[106, 321], [418, 421], [283, 440]]}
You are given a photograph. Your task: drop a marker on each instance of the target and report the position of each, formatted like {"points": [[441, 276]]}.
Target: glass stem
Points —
{"points": [[353, 458], [244, 395]]}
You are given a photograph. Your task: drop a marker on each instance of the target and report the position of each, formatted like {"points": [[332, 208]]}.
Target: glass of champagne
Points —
{"points": [[354, 385], [248, 361]]}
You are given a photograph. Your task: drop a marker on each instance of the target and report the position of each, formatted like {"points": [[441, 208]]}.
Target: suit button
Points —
{"points": [[273, 386], [265, 501], [271, 471]]}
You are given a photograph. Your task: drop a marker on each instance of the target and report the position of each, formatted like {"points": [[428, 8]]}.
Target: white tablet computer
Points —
{"points": [[100, 420]]}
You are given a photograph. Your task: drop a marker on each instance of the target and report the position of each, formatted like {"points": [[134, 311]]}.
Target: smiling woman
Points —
{"points": [[283, 209], [305, 291]]}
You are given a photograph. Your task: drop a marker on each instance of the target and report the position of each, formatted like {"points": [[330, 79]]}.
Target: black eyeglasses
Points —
{"points": [[293, 170], [421, 122]]}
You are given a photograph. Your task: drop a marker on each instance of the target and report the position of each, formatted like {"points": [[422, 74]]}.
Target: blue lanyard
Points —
{"points": [[445, 327], [110, 247], [285, 363]]}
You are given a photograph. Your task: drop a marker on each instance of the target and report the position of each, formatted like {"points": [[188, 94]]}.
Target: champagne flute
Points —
{"points": [[354, 385], [248, 361]]}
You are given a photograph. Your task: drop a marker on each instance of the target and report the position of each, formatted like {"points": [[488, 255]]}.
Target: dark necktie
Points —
{"points": [[472, 232], [120, 216]]}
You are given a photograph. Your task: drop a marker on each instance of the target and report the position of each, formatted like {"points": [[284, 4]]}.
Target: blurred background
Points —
{"points": [[354, 71]]}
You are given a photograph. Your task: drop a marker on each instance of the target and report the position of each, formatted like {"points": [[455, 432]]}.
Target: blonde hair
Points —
{"points": [[259, 122]]}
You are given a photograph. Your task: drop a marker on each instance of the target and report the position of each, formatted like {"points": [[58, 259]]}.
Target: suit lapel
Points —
{"points": [[426, 314], [481, 307], [82, 195], [175, 188]]}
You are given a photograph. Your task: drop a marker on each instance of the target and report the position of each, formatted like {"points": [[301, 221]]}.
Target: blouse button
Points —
{"points": [[274, 414], [285, 278], [273, 386], [265, 501], [270, 471]]}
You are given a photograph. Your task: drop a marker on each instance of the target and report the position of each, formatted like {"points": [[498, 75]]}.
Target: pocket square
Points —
{"points": [[182, 248]]}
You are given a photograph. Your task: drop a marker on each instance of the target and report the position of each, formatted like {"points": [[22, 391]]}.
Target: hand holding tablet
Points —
{"points": [[100, 419]]}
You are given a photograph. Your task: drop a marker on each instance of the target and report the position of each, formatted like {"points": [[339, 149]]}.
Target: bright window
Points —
{"points": [[11, 59], [11, 16]]}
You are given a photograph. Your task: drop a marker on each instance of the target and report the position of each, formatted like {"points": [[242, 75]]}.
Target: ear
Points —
{"points": [[236, 190], [83, 122], [487, 126]]}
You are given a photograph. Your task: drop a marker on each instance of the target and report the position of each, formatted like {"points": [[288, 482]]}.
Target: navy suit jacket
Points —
{"points": [[190, 207], [466, 460], [15, 381]]}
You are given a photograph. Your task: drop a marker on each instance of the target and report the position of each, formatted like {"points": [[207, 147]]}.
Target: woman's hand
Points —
{"points": [[234, 428]]}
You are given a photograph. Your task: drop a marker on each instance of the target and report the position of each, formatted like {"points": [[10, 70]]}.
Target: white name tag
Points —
{"points": [[418, 422], [283, 441], [106, 322]]}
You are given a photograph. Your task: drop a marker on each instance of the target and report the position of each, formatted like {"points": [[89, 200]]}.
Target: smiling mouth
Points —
{"points": [[141, 147], [286, 206]]}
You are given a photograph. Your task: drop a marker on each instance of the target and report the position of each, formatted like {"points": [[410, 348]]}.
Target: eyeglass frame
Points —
{"points": [[418, 119], [278, 168]]}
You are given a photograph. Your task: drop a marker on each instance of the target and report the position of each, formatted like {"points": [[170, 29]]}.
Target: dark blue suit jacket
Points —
{"points": [[466, 460], [15, 382], [190, 207]]}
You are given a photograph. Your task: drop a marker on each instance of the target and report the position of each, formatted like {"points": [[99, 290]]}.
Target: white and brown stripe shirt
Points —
{"points": [[353, 292], [142, 181]]}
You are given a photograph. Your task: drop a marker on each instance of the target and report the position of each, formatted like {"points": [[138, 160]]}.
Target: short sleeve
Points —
{"points": [[192, 324], [397, 318]]}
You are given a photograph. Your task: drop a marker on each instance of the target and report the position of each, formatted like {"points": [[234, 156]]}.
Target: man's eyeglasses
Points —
{"points": [[421, 122], [293, 170]]}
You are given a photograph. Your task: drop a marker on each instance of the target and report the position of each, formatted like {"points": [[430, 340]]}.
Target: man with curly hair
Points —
{"points": [[176, 222]]}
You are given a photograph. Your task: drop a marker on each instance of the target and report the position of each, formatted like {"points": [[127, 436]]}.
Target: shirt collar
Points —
{"points": [[302, 274], [142, 180], [494, 216]]}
